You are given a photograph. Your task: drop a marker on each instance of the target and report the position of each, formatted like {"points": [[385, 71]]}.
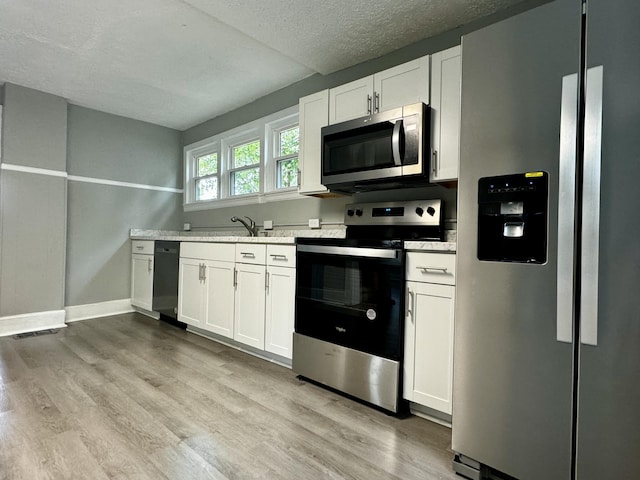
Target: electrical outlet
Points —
{"points": [[186, 227], [314, 223], [268, 225]]}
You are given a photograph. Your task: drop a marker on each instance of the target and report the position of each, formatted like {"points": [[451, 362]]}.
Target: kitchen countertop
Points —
{"points": [[279, 237], [430, 246]]}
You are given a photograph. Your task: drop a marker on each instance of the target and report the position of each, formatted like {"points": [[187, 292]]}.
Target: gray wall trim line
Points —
{"points": [[101, 181]]}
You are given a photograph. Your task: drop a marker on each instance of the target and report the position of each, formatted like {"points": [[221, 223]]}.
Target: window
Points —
{"points": [[253, 163], [206, 179], [286, 157], [245, 168]]}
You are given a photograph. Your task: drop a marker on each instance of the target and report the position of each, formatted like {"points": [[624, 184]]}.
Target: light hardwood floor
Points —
{"points": [[128, 397]]}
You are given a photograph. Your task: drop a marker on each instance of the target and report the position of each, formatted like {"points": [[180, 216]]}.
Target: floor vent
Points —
{"points": [[48, 331]]}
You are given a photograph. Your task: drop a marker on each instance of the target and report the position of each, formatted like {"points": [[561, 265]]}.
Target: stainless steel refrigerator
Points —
{"points": [[547, 335]]}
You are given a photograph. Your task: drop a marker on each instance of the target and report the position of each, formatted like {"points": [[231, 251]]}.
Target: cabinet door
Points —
{"points": [[249, 305], [141, 280], [313, 115], [402, 85], [280, 309], [428, 373], [446, 78], [190, 292], [351, 100], [219, 301]]}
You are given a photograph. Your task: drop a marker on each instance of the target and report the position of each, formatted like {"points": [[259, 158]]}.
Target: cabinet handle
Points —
{"points": [[266, 280], [204, 272], [434, 161], [139, 247], [200, 272], [410, 306], [369, 104], [299, 176], [248, 254], [376, 102], [235, 277], [278, 256], [426, 269]]}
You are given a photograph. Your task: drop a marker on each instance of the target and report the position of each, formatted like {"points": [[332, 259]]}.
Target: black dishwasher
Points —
{"points": [[166, 260]]}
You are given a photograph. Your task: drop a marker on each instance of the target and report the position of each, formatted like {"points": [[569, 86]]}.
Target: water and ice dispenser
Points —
{"points": [[512, 218]]}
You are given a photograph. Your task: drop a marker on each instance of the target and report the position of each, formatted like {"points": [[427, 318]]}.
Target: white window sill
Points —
{"points": [[243, 200]]}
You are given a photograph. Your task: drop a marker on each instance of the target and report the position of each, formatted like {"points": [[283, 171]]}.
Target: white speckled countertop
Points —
{"points": [[272, 236], [281, 237]]}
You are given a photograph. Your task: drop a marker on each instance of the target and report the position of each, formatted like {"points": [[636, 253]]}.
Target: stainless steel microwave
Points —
{"points": [[385, 150]]}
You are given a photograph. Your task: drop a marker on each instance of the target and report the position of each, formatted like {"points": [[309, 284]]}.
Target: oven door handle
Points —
{"points": [[350, 251]]}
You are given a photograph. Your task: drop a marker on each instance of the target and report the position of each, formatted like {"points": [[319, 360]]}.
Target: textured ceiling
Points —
{"points": [[180, 62]]}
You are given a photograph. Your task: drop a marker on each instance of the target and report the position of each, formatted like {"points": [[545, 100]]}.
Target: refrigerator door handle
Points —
{"points": [[566, 208], [591, 207]]}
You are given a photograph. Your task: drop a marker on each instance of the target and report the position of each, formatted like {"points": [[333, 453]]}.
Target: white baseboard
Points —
{"points": [[148, 313], [31, 322], [94, 310]]}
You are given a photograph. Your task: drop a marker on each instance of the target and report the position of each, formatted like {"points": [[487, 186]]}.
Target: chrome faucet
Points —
{"points": [[251, 226]]}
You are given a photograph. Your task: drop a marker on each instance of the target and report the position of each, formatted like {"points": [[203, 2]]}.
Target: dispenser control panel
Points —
{"points": [[512, 218]]}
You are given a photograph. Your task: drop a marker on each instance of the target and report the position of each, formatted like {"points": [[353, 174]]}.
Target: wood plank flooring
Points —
{"points": [[128, 397]]}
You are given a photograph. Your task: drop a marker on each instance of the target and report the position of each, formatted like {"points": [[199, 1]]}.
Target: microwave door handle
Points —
{"points": [[397, 143]]}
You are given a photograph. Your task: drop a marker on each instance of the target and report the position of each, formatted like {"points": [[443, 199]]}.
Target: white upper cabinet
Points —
{"points": [[401, 85], [446, 75], [313, 115], [351, 100]]}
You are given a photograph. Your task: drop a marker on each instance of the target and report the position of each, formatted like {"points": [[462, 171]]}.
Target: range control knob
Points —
{"points": [[359, 212], [431, 211], [350, 212], [419, 211]]}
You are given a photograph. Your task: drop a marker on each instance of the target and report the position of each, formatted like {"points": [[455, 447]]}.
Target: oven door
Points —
{"points": [[351, 296]]}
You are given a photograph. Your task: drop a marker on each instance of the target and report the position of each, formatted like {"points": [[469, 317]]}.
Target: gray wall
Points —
{"points": [[299, 211], [107, 147], [32, 206]]}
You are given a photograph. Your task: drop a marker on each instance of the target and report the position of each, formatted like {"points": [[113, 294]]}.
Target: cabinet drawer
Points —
{"points": [[208, 251], [281, 255], [142, 246], [251, 253], [431, 267]]}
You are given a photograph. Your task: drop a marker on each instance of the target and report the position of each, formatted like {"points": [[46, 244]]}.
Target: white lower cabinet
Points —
{"points": [[205, 286], [429, 327], [240, 291], [280, 310], [191, 292], [219, 311], [142, 273], [249, 305]]}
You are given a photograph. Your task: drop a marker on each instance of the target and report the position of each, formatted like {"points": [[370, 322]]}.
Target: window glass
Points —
{"points": [[208, 164], [207, 188], [287, 172], [246, 154], [287, 157], [245, 181], [289, 141]]}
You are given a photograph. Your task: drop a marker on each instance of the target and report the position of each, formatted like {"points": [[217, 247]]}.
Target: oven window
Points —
{"points": [[351, 301]]}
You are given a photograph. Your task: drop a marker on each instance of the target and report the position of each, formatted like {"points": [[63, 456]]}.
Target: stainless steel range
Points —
{"points": [[349, 327]]}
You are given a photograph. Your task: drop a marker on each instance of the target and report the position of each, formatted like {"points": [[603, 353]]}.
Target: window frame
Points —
{"points": [[266, 130], [209, 151], [249, 136]]}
